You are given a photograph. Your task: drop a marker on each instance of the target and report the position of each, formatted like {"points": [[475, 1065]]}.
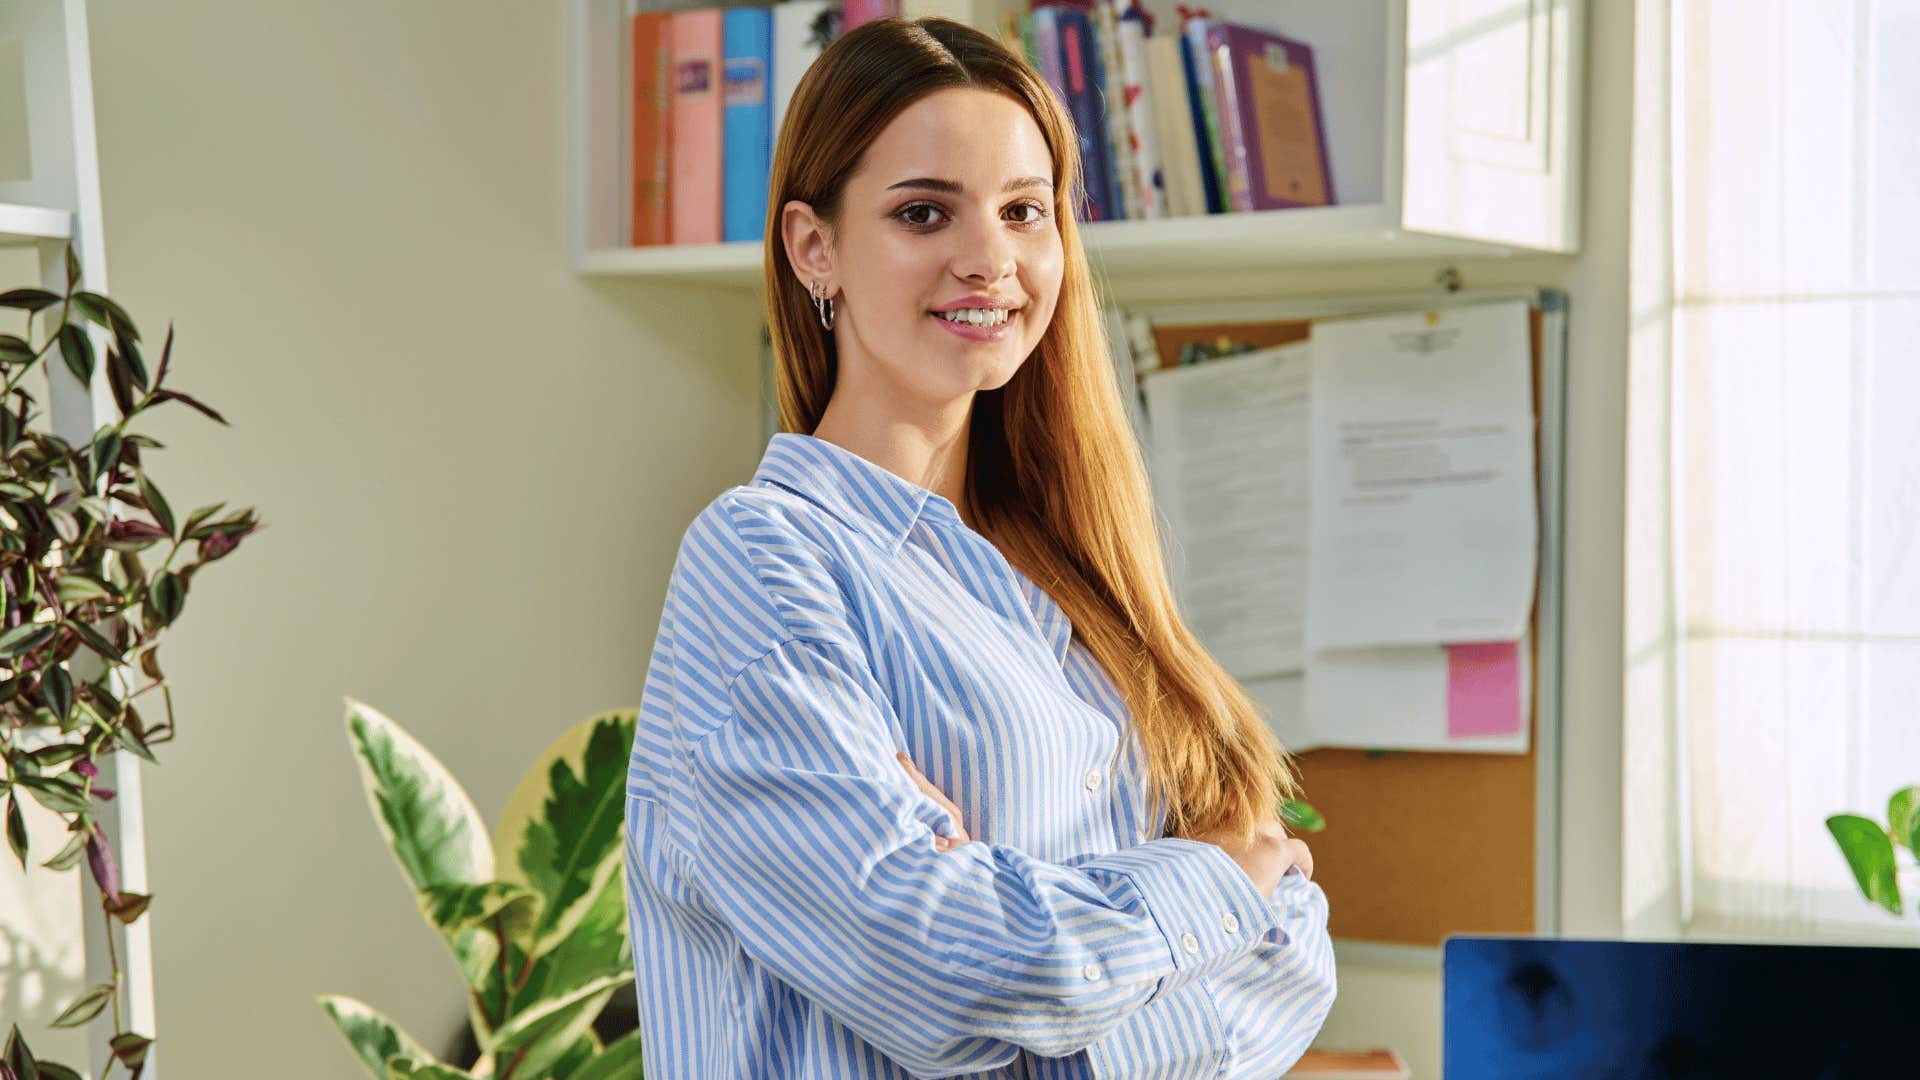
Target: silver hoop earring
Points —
{"points": [[821, 304]]}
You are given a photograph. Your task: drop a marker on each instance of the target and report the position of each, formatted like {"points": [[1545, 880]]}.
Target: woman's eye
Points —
{"points": [[914, 209], [1039, 212]]}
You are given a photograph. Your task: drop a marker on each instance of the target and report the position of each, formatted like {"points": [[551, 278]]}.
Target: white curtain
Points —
{"points": [[1773, 489]]}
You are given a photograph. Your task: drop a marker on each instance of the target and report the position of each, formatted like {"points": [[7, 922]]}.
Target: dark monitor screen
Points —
{"points": [[1545, 1009]]}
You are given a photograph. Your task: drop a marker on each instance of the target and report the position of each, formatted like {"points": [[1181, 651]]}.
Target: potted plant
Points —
{"points": [[81, 614], [541, 945]]}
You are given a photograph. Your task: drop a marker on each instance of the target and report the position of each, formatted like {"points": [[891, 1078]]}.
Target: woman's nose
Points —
{"points": [[987, 253]]}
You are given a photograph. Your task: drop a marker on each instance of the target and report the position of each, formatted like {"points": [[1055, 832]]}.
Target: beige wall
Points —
{"points": [[475, 467]]}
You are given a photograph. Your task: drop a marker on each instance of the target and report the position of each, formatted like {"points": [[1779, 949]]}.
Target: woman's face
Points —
{"points": [[952, 203]]}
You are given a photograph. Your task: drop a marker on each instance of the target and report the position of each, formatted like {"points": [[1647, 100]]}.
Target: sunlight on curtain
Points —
{"points": [[1773, 639]]}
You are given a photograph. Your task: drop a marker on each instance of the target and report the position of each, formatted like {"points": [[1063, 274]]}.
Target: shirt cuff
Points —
{"points": [[1206, 908], [1179, 1033]]}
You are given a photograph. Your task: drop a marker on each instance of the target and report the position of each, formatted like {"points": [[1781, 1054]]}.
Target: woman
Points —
{"points": [[857, 634]]}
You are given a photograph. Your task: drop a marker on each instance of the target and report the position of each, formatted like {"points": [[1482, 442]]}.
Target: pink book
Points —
{"points": [[696, 122], [855, 12]]}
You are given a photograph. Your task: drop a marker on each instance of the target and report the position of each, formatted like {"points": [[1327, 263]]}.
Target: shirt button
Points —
{"points": [[1230, 924], [1093, 779], [1189, 943], [1091, 971]]}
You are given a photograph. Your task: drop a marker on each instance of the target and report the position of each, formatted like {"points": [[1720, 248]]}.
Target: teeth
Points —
{"points": [[978, 316]]}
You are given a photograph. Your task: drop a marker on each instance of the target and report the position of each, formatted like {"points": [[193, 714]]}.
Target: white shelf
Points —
{"points": [[21, 225], [1217, 243], [1452, 132]]}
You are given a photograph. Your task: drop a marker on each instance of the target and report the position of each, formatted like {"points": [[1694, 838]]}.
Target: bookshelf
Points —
{"points": [[50, 197], [1453, 129]]}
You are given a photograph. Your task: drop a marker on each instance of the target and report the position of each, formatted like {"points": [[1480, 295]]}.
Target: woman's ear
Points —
{"points": [[809, 250]]}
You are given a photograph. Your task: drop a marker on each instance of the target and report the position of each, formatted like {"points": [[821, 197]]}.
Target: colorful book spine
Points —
{"points": [[802, 29], [1079, 70], [696, 162], [1173, 126], [1212, 152], [747, 119], [855, 12], [652, 131], [1046, 41], [1136, 95], [1126, 201], [1233, 138]]}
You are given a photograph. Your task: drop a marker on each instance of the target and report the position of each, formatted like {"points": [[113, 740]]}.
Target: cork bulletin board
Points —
{"points": [[1422, 845]]}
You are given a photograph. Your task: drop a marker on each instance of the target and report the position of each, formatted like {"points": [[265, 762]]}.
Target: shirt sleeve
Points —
{"points": [[817, 848], [1250, 1019]]}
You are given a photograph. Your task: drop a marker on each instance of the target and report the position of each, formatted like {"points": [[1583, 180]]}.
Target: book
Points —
{"points": [[1045, 29], [1272, 132], [802, 29], [855, 12], [695, 158], [747, 36], [983, 15], [650, 135], [1233, 141], [1173, 127], [1107, 79], [1206, 113], [1136, 95], [1349, 1065], [1078, 60]]}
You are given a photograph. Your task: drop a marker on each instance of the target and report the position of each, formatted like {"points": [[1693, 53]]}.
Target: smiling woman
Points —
{"points": [[949, 553]]}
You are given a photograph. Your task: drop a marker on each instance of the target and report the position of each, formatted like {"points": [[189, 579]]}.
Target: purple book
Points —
{"points": [[1275, 140]]}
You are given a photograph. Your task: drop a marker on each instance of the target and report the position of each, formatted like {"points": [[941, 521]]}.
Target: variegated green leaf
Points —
{"points": [[406, 1068], [581, 817], [373, 1037], [432, 827], [607, 875], [461, 906], [621, 1060], [584, 1049], [595, 943], [547, 1016]]}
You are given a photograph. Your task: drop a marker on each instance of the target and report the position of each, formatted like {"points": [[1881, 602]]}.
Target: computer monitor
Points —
{"points": [[1545, 1009]]}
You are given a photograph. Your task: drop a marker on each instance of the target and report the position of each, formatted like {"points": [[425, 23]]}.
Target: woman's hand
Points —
{"points": [[1267, 857], [940, 843]]}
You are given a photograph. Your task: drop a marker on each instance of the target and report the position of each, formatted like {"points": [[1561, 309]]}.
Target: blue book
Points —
{"points": [[1209, 179], [1080, 71], [747, 122]]}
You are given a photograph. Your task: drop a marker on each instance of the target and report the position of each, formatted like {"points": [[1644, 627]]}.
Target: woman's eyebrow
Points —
{"points": [[949, 187]]}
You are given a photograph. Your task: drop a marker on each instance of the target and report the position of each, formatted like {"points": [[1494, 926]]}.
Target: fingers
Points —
{"points": [[943, 843], [1302, 856]]}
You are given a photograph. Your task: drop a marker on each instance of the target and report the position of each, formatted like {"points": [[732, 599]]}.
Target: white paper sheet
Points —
{"points": [[1229, 460], [1395, 698], [1425, 514]]}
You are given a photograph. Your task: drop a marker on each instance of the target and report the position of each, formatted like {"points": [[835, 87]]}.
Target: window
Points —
{"points": [[1773, 608]]}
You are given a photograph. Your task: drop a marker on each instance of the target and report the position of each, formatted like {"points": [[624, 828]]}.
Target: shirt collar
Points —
{"points": [[862, 494], [885, 506]]}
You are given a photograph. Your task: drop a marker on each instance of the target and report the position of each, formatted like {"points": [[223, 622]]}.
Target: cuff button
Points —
{"points": [[1091, 971], [1230, 924], [1190, 943]]}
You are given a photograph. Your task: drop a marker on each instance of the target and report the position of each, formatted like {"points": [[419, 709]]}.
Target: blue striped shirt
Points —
{"points": [[790, 914]]}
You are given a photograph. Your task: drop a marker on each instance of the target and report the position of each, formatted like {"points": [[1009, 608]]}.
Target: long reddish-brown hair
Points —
{"points": [[1054, 476]]}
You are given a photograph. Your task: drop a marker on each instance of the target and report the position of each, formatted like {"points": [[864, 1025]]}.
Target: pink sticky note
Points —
{"points": [[1483, 689]]}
